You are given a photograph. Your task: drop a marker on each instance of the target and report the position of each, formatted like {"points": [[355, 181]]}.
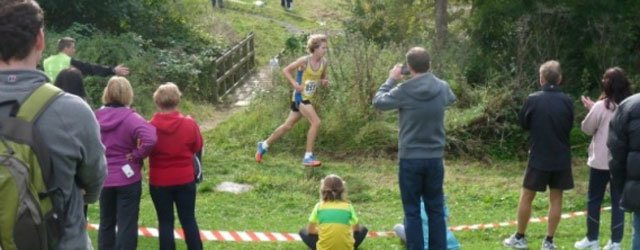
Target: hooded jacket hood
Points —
{"points": [[111, 117], [421, 102], [420, 90], [167, 122]]}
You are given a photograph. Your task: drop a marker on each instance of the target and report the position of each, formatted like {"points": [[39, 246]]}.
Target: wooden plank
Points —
{"points": [[235, 67]]}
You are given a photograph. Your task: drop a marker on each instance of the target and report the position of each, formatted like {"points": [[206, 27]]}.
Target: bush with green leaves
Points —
{"points": [[190, 66]]}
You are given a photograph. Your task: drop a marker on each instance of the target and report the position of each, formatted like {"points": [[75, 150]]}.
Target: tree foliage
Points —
{"points": [[153, 19], [385, 21], [514, 37]]}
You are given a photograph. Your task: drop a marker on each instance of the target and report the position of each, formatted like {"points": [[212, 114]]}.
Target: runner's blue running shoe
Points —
{"points": [[311, 161], [260, 152]]}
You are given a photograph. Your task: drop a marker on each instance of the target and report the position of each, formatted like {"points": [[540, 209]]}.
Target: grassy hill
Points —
{"points": [[285, 191]]}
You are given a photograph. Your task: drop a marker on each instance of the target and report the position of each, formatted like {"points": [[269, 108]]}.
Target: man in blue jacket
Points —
{"points": [[421, 101]]}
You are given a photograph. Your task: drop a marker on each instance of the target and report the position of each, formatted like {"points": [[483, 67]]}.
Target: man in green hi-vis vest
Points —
{"points": [[63, 60]]}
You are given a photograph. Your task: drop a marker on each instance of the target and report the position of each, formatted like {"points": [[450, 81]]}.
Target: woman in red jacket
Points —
{"points": [[171, 171]]}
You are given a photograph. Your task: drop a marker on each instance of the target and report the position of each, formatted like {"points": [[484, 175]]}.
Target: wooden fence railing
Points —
{"points": [[233, 66]]}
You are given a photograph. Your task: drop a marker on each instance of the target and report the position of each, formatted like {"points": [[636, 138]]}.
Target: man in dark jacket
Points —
{"points": [[64, 60], [624, 145], [421, 102], [548, 116]]}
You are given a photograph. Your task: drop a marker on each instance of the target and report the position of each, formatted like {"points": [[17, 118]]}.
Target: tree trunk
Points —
{"points": [[442, 31]]}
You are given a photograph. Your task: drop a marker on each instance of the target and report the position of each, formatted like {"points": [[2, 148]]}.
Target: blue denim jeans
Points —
{"points": [[423, 178], [598, 180]]}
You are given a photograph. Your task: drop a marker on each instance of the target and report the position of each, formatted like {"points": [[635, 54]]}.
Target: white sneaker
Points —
{"points": [[546, 245], [399, 230], [513, 242], [585, 243], [612, 246]]}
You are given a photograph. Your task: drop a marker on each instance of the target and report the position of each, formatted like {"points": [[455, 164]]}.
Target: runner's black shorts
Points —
{"points": [[538, 180], [295, 105]]}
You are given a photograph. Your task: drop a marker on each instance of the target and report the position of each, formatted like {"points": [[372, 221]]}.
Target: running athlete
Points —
{"points": [[312, 72]]}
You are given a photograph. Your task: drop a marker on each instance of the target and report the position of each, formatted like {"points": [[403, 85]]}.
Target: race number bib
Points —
{"points": [[309, 88]]}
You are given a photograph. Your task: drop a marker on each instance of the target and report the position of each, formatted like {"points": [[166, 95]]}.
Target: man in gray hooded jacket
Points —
{"points": [[421, 102], [67, 126]]}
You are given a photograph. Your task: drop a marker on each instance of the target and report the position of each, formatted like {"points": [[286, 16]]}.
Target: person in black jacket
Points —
{"points": [[64, 60], [624, 164], [548, 116]]}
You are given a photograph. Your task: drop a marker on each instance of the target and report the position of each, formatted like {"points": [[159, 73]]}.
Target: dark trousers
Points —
{"points": [[311, 239], [119, 206], [184, 196], [598, 180], [423, 178], [286, 3]]}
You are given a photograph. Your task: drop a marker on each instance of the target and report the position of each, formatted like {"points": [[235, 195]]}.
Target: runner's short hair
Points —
{"points": [[315, 41]]}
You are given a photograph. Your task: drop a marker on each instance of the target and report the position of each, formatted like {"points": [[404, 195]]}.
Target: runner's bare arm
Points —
{"points": [[287, 71]]}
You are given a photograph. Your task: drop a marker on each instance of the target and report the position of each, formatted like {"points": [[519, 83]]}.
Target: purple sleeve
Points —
{"points": [[145, 134]]}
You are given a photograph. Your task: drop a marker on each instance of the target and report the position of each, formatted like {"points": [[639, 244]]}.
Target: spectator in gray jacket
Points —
{"points": [[421, 101], [67, 126]]}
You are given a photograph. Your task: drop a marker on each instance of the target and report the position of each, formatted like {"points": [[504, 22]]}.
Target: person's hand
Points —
{"points": [[325, 82], [298, 88], [130, 157], [586, 102], [121, 70], [396, 72]]}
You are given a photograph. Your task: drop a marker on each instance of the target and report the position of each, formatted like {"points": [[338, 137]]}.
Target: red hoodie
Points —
{"points": [[171, 160]]}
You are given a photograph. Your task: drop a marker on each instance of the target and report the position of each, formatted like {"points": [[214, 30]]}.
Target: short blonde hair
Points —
{"points": [[167, 96], [118, 91], [550, 71], [315, 41]]}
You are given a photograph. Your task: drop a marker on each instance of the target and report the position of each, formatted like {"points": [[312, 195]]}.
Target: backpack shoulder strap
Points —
{"points": [[29, 111], [37, 101]]}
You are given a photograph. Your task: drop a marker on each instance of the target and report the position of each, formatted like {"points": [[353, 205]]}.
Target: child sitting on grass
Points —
{"points": [[333, 223]]}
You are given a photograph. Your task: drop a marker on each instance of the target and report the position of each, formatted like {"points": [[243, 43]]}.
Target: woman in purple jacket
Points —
{"points": [[128, 139]]}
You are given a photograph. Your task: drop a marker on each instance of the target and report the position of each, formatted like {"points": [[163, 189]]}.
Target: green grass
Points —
{"points": [[285, 192]]}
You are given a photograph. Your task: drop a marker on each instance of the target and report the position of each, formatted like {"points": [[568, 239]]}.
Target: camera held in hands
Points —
{"points": [[405, 70]]}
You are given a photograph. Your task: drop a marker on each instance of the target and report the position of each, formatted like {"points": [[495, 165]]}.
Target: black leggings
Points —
{"points": [[311, 239]]}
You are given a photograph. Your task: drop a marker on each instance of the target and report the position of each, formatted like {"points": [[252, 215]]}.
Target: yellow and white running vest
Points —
{"points": [[310, 80]]}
